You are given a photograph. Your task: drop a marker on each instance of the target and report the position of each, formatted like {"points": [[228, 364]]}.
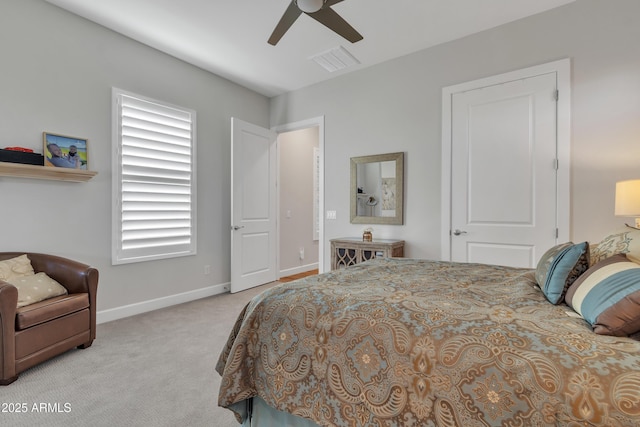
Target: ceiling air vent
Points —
{"points": [[335, 59]]}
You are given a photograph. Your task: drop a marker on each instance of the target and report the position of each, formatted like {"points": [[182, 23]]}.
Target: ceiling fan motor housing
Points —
{"points": [[310, 6]]}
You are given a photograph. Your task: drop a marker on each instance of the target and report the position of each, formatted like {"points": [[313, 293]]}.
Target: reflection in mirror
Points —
{"points": [[376, 183], [377, 189]]}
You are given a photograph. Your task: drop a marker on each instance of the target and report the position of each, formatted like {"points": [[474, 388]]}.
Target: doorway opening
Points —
{"points": [[300, 197]]}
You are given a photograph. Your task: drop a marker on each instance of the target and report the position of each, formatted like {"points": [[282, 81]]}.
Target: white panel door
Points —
{"points": [[253, 206], [503, 179]]}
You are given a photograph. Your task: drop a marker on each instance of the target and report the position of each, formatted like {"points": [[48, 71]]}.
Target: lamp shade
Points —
{"points": [[628, 198]]}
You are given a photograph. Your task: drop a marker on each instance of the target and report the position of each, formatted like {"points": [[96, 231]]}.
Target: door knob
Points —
{"points": [[237, 227], [457, 232]]}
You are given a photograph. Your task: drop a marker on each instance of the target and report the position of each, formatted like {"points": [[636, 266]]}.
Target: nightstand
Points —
{"points": [[348, 251]]}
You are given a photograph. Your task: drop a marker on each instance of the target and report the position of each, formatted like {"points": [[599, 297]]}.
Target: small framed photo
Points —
{"points": [[65, 151]]}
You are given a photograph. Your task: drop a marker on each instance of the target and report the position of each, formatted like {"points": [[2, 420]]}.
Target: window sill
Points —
{"points": [[44, 172]]}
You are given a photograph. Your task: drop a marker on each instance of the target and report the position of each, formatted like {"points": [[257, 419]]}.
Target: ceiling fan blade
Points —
{"points": [[330, 3], [287, 20], [330, 19]]}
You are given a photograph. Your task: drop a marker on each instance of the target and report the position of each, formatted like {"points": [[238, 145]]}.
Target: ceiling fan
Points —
{"points": [[321, 11]]}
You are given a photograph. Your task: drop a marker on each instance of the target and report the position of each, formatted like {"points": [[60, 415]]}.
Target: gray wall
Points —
{"points": [[396, 106], [56, 75]]}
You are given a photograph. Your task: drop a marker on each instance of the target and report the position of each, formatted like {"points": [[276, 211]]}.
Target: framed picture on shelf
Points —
{"points": [[65, 151]]}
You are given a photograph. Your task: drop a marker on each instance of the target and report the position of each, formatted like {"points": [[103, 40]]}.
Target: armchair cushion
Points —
{"points": [[15, 267], [50, 309], [35, 288]]}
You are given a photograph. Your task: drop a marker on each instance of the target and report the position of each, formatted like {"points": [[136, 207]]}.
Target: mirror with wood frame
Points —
{"points": [[377, 189]]}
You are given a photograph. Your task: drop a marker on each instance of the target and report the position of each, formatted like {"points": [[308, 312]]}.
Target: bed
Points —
{"points": [[407, 342]]}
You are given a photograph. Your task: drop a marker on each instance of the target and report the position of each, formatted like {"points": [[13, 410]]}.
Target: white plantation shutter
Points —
{"points": [[154, 180]]}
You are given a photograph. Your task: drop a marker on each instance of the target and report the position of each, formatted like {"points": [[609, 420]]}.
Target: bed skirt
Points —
{"points": [[263, 415]]}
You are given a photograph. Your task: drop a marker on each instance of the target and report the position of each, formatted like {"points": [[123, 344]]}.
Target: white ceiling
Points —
{"points": [[229, 37]]}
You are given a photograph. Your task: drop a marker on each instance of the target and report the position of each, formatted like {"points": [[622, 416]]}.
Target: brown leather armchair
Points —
{"points": [[34, 333]]}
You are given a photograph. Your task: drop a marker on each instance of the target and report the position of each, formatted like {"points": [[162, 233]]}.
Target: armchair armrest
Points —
{"points": [[8, 303], [8, 299]]}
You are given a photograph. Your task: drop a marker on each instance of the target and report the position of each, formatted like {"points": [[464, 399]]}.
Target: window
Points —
{"points": [[154, 212]]}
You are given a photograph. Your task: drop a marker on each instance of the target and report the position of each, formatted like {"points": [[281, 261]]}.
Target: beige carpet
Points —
{"points": [[155, 369]]}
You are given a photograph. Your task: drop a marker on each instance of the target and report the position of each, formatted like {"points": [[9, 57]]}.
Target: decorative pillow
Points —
{"points": [[36, 287], [623, 241], [15, 267], [608, 296], [559, 267]]}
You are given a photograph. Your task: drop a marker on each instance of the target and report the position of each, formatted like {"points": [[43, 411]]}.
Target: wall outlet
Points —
{"points": [[301, 253], [207, 269]]}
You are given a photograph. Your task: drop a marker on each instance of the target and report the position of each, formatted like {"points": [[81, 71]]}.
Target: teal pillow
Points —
{"points": [[559, 267]]}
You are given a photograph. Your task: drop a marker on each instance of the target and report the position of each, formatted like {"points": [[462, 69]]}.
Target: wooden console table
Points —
{"points": [[348, 251]]}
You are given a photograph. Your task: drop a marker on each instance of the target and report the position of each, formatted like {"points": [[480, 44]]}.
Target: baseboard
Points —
{"points": [[104, 316], [298, 270]]}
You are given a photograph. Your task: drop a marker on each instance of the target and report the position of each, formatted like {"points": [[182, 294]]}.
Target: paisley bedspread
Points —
{"points": [[405, 342]]}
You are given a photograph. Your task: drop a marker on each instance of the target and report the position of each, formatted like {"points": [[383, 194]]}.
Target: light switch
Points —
{"points": [[331, 214]]}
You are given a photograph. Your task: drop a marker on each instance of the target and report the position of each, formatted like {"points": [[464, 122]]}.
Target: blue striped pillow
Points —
{"points": [[608, 296]]}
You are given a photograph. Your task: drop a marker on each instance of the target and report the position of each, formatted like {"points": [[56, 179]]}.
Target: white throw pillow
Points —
{"points": [[36, 287], [15, 267]]}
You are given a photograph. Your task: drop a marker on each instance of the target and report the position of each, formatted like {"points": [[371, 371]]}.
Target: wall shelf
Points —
{"points": [[44, 172]]}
